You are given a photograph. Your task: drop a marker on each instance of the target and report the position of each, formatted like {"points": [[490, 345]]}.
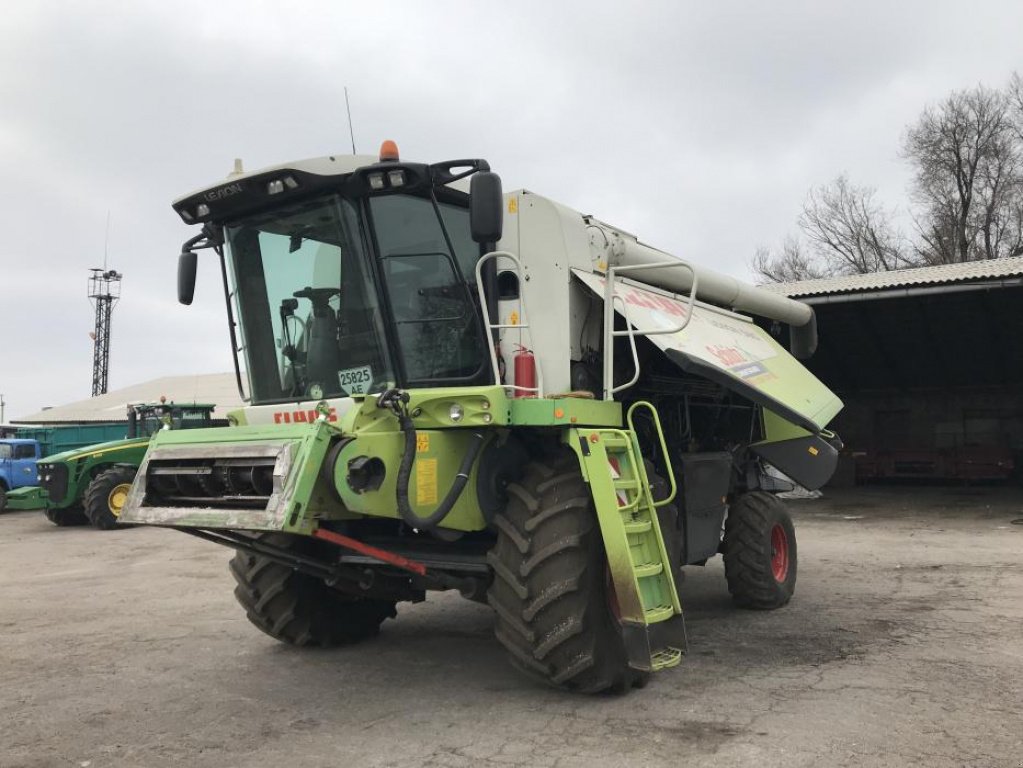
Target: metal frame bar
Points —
{"points": [[610, 334], [538, 390]]}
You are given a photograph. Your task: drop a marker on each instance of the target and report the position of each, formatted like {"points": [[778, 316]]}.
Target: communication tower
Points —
{"points": [[104, 291]]}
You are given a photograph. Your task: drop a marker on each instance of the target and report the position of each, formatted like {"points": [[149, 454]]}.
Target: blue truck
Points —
{"points": [[20, 453]]}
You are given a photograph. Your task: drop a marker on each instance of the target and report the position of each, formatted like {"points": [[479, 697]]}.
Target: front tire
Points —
{"points": [[66, 517], [760, 552], [299, 609], [106, 494], [550, 587]]}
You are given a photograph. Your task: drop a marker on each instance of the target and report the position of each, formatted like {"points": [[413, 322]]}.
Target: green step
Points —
{"points": [[638, 526], [665, 657], [659, 613], [643, 570]]}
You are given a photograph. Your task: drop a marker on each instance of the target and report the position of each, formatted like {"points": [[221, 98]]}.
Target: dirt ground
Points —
{"points": [[902, 646]]}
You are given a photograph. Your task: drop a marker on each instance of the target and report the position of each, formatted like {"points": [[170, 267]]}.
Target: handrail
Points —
{"points": [[491, 327], [610, 333], [664, 449]]}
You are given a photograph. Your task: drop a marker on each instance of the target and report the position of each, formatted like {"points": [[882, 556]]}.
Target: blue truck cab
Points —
{"points": [[18, 459]]}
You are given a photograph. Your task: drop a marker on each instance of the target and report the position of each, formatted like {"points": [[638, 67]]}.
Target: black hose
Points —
{"points": [[408, 457]]}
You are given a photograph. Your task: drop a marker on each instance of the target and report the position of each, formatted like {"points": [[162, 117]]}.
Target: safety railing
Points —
{"points": [[521, 326], [610, 334]]}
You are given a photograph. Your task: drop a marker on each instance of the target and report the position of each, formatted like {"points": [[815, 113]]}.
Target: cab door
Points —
{"points": [[23, 465]]}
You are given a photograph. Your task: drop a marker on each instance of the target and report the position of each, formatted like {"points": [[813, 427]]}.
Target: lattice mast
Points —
{"points": [[104, 292]]}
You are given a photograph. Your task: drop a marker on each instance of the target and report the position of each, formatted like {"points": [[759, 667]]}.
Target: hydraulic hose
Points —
{"points": [[408, 457]]}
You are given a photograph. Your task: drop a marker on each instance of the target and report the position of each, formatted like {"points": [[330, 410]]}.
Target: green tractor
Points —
{"points": [[455, 388], [91, 484]]}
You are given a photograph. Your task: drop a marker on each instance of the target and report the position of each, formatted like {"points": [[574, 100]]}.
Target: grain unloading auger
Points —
{"points": [[452, 388]]}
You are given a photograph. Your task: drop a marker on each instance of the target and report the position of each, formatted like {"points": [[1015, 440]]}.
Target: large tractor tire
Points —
{"points": [[760, 552], [67, 517], [551, 586], [3, 499], [106, 494], [299, 609]]}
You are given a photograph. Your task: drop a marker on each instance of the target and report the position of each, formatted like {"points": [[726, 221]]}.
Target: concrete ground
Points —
{"points": [[903, 646]]}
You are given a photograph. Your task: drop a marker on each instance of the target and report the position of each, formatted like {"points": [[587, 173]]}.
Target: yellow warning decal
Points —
{"points": [[813, 450], [426, 481], [422, 442], [513, 205]]}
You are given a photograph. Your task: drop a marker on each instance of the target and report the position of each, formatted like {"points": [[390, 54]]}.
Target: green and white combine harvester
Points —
{"points": [[455, 388]]}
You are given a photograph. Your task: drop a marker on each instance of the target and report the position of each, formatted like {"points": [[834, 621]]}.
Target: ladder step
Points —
{"points": [[665, 657], [638, 526], [623, 484], [658, 613], [647, 569]]}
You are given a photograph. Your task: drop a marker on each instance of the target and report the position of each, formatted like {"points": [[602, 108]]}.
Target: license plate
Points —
{"points": [[356, 381]]}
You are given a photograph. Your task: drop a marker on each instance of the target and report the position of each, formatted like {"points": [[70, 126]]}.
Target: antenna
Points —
{"points": [[348, 108], [106, 242]]}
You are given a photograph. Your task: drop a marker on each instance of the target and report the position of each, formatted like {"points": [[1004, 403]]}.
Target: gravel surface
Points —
{"points": [[902, 646]]}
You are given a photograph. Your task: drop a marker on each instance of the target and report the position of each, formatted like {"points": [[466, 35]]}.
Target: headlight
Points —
{"points": [[456, 412]]}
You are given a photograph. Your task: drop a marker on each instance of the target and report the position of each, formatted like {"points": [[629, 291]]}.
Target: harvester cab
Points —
{"points": [[454, 388]]}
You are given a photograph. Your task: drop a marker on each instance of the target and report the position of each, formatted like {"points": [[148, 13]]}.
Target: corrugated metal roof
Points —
{"points": [[218, 388], [945, 273]]}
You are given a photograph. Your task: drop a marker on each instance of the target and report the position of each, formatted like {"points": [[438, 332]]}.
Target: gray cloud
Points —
{"points": [[697, 126]]}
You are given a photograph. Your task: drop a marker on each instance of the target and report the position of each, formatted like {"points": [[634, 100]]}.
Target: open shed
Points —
{"points": [[928, 362]]}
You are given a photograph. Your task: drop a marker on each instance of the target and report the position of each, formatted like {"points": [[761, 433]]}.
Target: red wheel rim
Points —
{"points": [[779, 553]]}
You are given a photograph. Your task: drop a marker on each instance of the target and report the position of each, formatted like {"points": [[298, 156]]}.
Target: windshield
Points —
{"points": [[310, 324], [150, 419], [320, 318]]}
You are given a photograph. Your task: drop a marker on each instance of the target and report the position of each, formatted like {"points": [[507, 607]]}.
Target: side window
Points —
{"points": [[24, 451], [433, 317], [412, 227], [467, 250]]}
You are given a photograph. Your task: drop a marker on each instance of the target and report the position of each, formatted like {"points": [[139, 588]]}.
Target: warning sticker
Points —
{"points": [[422, 442], [426, 481]]}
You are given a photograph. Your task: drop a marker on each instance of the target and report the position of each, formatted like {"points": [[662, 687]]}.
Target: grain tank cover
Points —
{"points": [[728, 350]]}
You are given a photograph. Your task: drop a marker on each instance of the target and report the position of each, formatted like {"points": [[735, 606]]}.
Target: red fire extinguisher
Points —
{"points": [[525, 372]]}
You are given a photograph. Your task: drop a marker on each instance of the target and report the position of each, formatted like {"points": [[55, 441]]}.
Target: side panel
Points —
{"points": [[729, 351]]}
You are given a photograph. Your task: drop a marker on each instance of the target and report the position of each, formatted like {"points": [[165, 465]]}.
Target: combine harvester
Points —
{"points": [[453, 388]]}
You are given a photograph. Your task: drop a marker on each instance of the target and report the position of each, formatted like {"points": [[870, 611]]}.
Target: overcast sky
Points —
{"points": [[697, 126]]}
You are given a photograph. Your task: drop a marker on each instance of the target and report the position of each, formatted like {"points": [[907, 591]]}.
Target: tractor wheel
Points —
{"points": [[760, 552], [299, 609], [66, 517], [3, 499], [551, 587], [106, 494]]}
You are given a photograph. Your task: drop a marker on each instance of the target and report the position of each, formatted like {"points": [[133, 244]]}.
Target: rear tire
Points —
{"points": [[66, 517], [299, 609], [550, 587], [3, 499], [105, 496], [760, 552]]}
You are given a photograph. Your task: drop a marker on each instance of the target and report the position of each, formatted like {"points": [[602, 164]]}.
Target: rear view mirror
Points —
{"points": [[187, 262], [486, 213]]}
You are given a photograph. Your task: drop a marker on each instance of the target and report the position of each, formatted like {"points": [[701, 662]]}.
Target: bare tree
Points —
{"points": [[967, 161], [851, 232], [1015, 93], [790, 265]]}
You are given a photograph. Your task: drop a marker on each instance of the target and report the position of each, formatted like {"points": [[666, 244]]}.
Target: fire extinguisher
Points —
{"points": [[525, 372]]}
